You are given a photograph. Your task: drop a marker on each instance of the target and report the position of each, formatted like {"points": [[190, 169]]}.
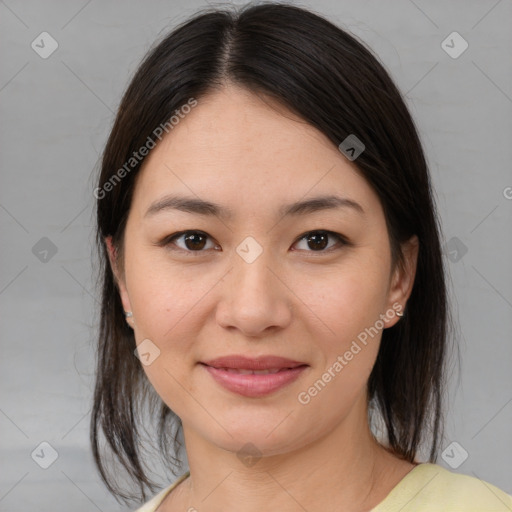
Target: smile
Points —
{"points": [[254, 383]]}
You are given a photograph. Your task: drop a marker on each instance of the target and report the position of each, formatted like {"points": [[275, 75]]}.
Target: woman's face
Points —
{"points": [[256, 280]]}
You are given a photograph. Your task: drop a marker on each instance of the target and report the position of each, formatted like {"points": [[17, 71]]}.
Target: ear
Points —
{"points": [[120, 283], [402, 281]]}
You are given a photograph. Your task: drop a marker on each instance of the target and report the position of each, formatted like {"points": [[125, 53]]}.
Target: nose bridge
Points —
{"points": [[251, 275], [254, 299]]}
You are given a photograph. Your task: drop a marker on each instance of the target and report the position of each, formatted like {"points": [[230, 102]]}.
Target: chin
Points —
{"points": [[265, 436]]}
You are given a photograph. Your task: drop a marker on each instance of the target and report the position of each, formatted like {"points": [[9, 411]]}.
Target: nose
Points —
{"points": [[255, 298]]}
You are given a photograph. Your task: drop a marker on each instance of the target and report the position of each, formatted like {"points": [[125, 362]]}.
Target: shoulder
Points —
{"points": [[459, 489], [430, 487], [153, 503]]}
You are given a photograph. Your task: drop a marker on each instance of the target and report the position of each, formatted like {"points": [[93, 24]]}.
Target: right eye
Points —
{"points": [[192, 241]]}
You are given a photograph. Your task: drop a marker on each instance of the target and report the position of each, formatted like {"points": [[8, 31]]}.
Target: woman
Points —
{"points": [[272, 277]]}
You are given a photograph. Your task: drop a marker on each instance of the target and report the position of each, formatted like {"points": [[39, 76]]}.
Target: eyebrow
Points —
{"points": [[201, 207]]}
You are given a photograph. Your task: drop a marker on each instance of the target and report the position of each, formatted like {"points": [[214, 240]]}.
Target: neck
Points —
{"points": [[345, 468]]}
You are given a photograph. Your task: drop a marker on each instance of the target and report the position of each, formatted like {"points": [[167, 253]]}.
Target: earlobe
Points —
{"points": [[403, 279], [123, 293]]}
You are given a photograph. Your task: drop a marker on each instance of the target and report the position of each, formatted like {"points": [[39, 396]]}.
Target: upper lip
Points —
{"points": [[241, 362]]}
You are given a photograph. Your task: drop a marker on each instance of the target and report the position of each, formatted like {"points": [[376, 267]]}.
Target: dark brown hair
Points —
{"points": [[335, 83]]}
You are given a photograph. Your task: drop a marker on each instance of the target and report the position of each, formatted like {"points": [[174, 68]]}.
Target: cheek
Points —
{"points": [[346, 305], [334, 307], [348, 338], [166, 305], [346, 300], [163, 296]]}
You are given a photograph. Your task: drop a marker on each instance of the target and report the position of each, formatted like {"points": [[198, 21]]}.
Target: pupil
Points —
{"points": [[318, 241], [193, 238]]}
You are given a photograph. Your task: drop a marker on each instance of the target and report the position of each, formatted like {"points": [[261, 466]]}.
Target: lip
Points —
{"points": [[224, 372], [241, 362]]}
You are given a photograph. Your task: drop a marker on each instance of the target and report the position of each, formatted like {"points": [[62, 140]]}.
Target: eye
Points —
{"points": [[318, 240], [192, 241], [196, 241]]}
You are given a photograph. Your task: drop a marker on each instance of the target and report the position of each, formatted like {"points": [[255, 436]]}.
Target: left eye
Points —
{"points": [[318, 240], [196, 241]]}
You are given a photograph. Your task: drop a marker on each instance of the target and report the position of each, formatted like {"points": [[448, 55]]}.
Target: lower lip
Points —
{"points": [[254, 385]]}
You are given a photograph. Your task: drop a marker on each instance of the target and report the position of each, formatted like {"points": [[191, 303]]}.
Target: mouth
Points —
{"points": [[243, 371], [254, 377], [260, 363]]}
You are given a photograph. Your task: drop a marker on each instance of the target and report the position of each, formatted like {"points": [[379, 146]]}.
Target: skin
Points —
{"points": [[250, 155]]}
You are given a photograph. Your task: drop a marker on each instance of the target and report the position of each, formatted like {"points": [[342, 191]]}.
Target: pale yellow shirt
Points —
{"points": [[426, 488]]}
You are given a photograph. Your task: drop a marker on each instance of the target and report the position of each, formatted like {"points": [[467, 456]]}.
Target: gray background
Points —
{"points": [[56, 113]]}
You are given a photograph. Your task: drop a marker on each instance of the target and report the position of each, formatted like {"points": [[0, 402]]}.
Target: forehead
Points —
{"points": [[249, 152]]}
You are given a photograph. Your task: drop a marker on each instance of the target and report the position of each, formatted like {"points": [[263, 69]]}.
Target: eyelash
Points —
{"points": [[168, 241]]}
